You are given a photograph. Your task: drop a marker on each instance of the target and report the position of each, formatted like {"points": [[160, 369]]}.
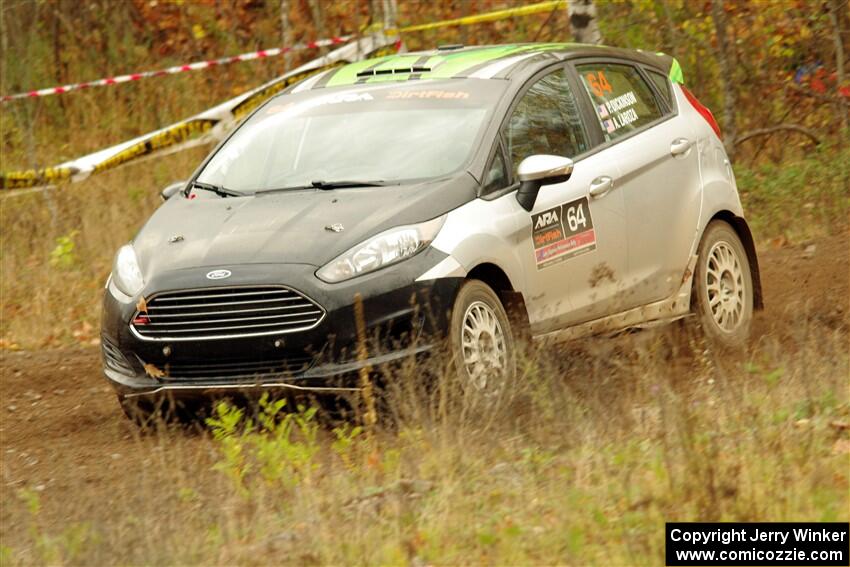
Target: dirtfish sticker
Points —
{"points": [[562, 232], [427, 94]]}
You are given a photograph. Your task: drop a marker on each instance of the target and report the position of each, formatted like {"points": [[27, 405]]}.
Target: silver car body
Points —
{"points": [[666, 183]]}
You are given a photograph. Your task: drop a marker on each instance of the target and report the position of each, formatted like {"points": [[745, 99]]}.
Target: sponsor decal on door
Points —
{"points": [[562, 232]]}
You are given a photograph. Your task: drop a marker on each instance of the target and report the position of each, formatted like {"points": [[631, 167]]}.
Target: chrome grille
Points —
{"points": [[225, 312], [236, 370]]}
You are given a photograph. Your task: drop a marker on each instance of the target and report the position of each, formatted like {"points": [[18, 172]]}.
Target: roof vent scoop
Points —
{"points": [[394, 71]]}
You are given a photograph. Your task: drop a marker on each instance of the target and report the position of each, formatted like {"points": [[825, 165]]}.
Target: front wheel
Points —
{"points": [[482, 340], [723, 286]]}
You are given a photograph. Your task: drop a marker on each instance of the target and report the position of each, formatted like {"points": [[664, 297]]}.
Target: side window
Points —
{"points": [[497, 175], [546, 121], [622, 99], [661, 83]]}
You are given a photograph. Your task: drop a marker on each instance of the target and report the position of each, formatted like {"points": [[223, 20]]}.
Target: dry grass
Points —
{"points": [[581, 463], [56, 249]]}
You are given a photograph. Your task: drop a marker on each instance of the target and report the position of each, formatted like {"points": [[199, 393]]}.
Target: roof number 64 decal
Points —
{"points": [[562, 232]]}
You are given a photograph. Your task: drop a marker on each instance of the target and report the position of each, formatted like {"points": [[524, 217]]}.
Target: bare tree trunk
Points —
{"points": [[464, 11], [284, 34], [376, 13], [390, 11], [669, 30], [318, 21], [835, 18], [28, 113], [583, 24], [4, 49], [724, 61]]}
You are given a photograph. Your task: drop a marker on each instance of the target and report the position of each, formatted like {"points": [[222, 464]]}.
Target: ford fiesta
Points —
{"points": [[464, 195]]}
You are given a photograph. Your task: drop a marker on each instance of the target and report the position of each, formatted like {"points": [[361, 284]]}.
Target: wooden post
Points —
{"points": [[368, 395]]}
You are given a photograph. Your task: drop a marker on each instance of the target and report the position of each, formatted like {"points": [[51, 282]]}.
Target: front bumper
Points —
{"points": [[403, 318]]}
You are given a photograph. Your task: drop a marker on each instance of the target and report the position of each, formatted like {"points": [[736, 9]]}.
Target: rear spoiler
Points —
{"points": [[671, 66]]}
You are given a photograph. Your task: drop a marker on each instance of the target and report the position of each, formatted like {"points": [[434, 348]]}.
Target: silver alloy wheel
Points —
{"points": [[725, 286], [485, 354]]}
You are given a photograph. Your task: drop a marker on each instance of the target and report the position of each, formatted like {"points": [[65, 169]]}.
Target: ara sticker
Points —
{"points": [[562, 232]]}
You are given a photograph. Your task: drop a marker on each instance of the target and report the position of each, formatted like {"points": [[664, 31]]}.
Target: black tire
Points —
{"points": [[475, 298], [723, 287]]}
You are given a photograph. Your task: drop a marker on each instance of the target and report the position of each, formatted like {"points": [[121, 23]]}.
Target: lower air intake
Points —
{"points": [[247, 371]]}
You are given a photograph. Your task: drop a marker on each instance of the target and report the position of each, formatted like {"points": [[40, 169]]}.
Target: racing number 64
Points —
{"points": [[598, 83], [575, 217]]}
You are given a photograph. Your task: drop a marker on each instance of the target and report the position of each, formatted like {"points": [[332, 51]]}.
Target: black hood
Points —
{"points": [[286, 227]]}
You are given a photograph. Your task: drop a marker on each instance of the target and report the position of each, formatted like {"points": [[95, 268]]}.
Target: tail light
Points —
{"points": [[703, 110]]}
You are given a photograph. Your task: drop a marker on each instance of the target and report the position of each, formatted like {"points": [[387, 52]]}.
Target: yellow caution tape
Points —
{"points": [[486, 17], [207, 126], [35, 177], [166, 138], [183, 131], [252, 102]]}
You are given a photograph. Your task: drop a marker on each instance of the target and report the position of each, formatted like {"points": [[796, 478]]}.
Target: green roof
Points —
{"points": [[486, 62], [438, 64]]}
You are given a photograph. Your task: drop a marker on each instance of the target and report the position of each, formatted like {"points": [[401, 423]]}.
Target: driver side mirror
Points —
{"points": [[171, 190], [538, 170]]}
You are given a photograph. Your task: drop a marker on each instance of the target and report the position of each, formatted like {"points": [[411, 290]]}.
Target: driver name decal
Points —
{"points": [[562, 232]]}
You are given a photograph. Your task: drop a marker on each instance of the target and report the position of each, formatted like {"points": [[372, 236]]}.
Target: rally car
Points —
{"points": [[464, 194]]}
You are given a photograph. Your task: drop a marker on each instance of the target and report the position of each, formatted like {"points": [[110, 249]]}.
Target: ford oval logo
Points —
{"points": [[218, 274]]}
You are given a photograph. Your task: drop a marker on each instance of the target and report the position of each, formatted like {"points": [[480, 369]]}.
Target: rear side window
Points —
{"points": [[546, 121], [663, 85], [622, 99]]}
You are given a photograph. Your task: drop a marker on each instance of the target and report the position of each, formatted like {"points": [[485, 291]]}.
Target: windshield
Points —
{"points": [[386, 134]]}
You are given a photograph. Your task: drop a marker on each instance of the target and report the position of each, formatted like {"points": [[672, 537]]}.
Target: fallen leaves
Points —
{"points": [[86, 334], [841, 447], [153, 371]]}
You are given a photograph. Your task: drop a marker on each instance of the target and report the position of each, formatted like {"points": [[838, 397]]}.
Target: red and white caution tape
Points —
{"points": [[261, 54], [526, 10], [212, 124], [208, 126]]}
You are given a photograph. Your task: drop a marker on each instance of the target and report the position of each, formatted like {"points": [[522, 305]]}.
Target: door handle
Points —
{"points": [[600, 186], [680, 147]]}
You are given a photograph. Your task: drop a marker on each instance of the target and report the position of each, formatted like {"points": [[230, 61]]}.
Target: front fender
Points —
{"points": [[484, 232]]}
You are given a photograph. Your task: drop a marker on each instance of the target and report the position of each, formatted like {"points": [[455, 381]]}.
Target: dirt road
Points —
{"points": [[62, 429]]}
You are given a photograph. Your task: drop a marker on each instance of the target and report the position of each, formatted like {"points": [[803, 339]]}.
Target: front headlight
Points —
{"points": [[387, 248], [126, 272]]}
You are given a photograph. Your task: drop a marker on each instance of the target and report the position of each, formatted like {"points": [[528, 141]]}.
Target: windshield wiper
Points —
{"points": [[327, 185], [342, 184], [217, 189]]}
